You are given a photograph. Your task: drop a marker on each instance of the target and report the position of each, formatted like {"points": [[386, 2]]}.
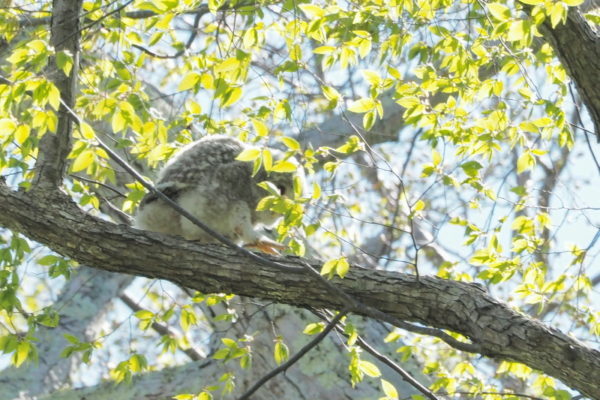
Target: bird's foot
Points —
{"points": [[266, 246]]}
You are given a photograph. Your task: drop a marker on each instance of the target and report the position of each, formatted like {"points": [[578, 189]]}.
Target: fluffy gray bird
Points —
{"points": [[206, 180]]}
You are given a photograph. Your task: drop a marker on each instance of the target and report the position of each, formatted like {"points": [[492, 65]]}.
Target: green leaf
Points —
{"points": [[83, 160], [532, 2], [267, 159], [313, 328], [48, 260], [7, 126], [324, 50], [329, 267], [290, 143], [205, 396], [260, 127], [419, 205], [249, 154], [436, 157], [232, 97], [189, 81], [230, 64], [144, 314], [516, 31], [22, 133], [362, 105], [184, 396], [369, 368], [284, 166], [499, 11], [342, 267], [22, 353], [64, 61], [53, 96], [86, 130], [138, 363], [330, 93], [389, 390], [72, 339], [369, 120], [471, 168], [311, 10], [526, 161], [280, 352]]}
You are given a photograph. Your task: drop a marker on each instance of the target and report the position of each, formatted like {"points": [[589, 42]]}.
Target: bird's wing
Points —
{"points": [[171, 190]]}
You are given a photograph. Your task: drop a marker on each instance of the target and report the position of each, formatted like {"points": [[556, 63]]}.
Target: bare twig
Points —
{"points": [[271, 374], [384, 359]]}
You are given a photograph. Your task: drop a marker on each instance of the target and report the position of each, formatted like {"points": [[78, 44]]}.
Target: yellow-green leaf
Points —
{"points": [[86, 130], [64, 61], [532, 2], [284, 166], [291, 144], [232, 97], [21, 353], [54, 96], [419, 205], [526, 161], [267, 159], [342, 267], [118, 121], [189, 81], [248, 155], [324, 50], [7, 126], [362, 105], [231, 64], [389, 389], [499, 11], [311, 10], [22, 133], [280, 352], [330, 93], [83, 160], [260, 127], [516, 31], [369, 368]]}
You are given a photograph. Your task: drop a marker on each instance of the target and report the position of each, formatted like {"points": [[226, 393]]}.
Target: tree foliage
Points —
{"points": [[444, 138]]}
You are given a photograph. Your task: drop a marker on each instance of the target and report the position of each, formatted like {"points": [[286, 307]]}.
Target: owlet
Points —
{"points": [[205, 179]]}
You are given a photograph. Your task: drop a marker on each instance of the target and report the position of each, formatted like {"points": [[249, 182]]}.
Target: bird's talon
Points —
{"points": [[267, 247]]}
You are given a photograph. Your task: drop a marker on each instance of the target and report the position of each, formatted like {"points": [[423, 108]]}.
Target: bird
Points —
{"points": [[207, 180]]}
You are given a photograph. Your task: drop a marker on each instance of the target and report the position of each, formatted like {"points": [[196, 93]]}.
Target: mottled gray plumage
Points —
{"points": [[206, 180]]}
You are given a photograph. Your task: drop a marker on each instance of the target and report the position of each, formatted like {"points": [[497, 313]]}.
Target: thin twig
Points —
{"points": [[161, 329], [199, 14], [585, 131], [274, 372], [384, 359]]}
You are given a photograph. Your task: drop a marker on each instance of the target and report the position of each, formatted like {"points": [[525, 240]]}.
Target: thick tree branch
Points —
{"points": [[54, 148], [578, 48], [53, 219]]}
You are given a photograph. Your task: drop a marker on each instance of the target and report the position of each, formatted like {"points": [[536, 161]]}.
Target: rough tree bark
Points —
{"points": [[578, 48], [53, 219]]}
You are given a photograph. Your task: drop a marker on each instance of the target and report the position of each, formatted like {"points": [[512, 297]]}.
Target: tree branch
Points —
{"points": [[54, 148], [578, 48], [51, 218]]}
